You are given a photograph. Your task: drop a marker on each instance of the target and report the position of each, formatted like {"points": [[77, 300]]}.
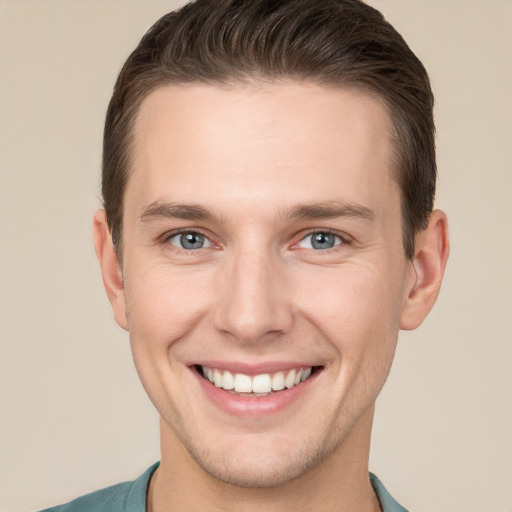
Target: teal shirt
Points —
{"points": [[131, 497]]}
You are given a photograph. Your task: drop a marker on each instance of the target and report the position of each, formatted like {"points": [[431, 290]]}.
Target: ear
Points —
{"points": [[110, 268], [430, 257]]}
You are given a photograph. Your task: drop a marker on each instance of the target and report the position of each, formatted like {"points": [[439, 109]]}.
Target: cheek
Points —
{"points": [[163, 308], [357, 309], [352, 295], [161, 302]]}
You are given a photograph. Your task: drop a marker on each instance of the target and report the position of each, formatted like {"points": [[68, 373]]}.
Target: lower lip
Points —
{"points": [[247, 406]]}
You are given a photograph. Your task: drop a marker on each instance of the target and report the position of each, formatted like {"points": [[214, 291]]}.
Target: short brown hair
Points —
{"points": [[332, 42]]}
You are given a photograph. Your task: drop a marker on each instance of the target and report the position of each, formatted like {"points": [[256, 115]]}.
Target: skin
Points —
{"points": [[253, 156]]}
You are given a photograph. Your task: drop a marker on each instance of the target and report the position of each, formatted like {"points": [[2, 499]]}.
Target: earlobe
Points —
{"points": [[431, 254], [110, 268]]}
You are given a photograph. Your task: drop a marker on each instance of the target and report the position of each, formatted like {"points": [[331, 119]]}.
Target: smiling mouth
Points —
{"points": [[257, 385]]}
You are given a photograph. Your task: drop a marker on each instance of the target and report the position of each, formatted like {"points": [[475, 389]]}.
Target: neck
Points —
{"points": [[338, 483]]}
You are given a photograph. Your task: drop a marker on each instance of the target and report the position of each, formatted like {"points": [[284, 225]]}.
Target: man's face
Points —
{"points": [[262, 236]]}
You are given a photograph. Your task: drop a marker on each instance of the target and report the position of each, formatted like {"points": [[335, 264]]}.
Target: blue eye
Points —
{"points": [[320, 240], [190, 240]]}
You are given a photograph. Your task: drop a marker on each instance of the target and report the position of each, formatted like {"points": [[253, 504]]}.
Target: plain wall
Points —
{"points": [[73, 414]]}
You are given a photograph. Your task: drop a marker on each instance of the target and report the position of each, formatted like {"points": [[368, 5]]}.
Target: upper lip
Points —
{"points": [[254, 369]]}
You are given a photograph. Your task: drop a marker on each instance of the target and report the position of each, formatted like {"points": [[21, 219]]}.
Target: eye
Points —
{"points": [[320, 240], [189, 240]]}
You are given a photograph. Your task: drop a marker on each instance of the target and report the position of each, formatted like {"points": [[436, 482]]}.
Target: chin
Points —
{"points": [[263, 468]]}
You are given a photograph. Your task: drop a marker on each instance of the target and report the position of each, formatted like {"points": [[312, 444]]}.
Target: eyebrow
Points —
{"points": [[326, 210], [330, 210], [158, 210]]}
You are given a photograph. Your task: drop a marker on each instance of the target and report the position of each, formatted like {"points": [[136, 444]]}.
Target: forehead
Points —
{"points": [[266, 143]]}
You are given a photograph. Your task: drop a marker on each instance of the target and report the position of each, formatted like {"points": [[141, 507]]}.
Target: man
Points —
{"points": [[268, 182]]}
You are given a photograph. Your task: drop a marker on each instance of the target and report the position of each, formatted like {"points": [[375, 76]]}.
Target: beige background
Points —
{"points": [[73, 414]]}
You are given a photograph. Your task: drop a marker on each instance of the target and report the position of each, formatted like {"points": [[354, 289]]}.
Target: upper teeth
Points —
{"points": [[263, 383]]}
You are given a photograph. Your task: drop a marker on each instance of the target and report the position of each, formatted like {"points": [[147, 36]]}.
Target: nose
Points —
{"points": [[254, 300]]}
